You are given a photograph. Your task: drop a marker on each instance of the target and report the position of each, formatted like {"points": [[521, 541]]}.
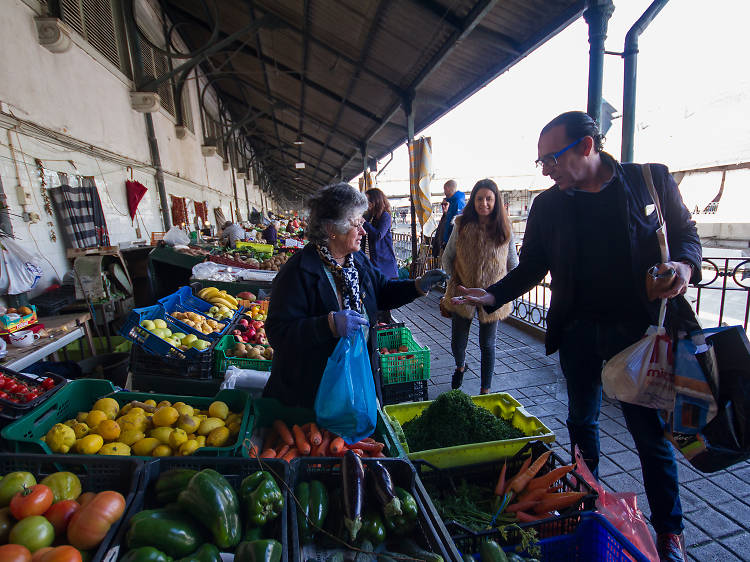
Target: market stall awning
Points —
{"points": [[324, 82]]}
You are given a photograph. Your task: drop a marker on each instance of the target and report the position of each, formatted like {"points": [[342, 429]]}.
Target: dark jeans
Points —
{"points": [[585, 345], [460, 338]]}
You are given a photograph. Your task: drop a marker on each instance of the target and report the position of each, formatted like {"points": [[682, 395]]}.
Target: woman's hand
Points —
{"points": [[473, 297], [347, 322]]}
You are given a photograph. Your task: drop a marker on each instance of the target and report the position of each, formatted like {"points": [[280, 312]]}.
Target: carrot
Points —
{"points": [[322, 449], [306, 427], [358, 452], [536, 495], [268, 454], [253, 452], [282, 450], [558, 501], [291, 454], [299, 438], [378, 455], [546, 480], [283, 432], [270, 440], [524, 517], [521, 479], [315, 437], [500, 486], [369, 447], [369, 440], [337, 445], [524, 505]]}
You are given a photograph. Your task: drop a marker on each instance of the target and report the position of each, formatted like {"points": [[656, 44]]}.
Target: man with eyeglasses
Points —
{"points": [[594, 231]]}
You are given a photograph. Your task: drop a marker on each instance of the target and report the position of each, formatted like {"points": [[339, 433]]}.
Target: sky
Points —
{"points": [[692, 108]]}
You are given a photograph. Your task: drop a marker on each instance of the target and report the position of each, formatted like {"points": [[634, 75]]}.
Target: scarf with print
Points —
{"points": [[346, 278]]}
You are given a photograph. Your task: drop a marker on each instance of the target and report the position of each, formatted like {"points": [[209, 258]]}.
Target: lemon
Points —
{"points": [[90, 444], [95, 417], [130, 436], [107, 405], [219, 410], [189, 424], [126, 408], [70, 422], [201, 439], [234, 427], [165, 416], [161, 451], [82, 416], [60, 438], [209, 424], [137, 410], [188, 447], [144, 447], [163, 403], [81, 430], [116, 448], [162, 434], [139, 424], [108, 429], [233, 418], [184, 409], [218, 437], [150, 402], [177, 438]]}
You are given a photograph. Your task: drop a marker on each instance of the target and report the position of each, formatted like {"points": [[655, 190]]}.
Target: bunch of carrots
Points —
{"points": [[281, 442], [531, 497]]}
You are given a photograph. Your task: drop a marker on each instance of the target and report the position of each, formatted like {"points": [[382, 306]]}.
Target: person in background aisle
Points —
{"points": [[437, 238], [456, 202], [378, 229], [479, 253], [270, 233], [327, 291], [595, 232], [230, 233]]}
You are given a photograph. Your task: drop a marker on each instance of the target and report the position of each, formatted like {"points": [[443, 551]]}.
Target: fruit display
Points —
{"points": [[248, 351], [219, 299], [197, 514], [145, 429], [35, 516], [200, 322], [275, 263], [21, 389], [253, 332], [181, 341]]}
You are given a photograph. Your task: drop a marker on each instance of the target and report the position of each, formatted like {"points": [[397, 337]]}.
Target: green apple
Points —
{"points": [[223, 309], [199, 344], [178, 336], [148, 324], [213, 310], [189, 339], [159, 332], [159, 323], [172, 341]]}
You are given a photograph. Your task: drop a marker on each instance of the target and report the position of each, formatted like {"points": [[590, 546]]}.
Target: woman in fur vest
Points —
{"points": [[480, 252]]}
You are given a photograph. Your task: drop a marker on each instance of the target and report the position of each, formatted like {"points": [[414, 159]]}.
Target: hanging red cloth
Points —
{"points": [[135, 192]]}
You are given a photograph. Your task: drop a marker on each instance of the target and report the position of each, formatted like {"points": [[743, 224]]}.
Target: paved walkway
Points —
{"points": [[716, 506]]}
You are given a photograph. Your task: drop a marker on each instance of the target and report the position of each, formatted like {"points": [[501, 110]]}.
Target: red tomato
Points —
{"points": [[37, 556], [90, 524], [48, 383], [12, 386], [60, 513], [3, 394], [14, 553], [31, 501], [64, 553]]}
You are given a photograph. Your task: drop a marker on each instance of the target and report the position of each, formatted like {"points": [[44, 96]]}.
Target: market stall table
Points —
{"points": [[61, 330]]}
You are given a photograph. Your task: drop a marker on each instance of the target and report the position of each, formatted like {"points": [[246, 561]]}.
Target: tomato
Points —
{"points": [[64, 485], [64, 553], [48, 383], [33, 532], [85, 498], [12, 387], [6, 522], [3, 394], [90, 524], [37, 556], [60, 513], [31, 501], [14, 553], [12, 483]]}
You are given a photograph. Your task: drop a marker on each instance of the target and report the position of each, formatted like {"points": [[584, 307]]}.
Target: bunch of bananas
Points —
{"points": [[224, 304]]}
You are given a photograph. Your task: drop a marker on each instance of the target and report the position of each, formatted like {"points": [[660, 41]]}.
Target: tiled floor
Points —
{"points": [[716, 506]]}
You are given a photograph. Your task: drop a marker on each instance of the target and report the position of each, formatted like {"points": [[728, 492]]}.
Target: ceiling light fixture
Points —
{"points": [[299, 141], [299, 165]]}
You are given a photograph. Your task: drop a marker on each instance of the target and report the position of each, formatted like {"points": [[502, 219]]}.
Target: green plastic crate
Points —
{"points": [[267, 410], [222, 362], [407, 366], [24, 435], [502, 405]]}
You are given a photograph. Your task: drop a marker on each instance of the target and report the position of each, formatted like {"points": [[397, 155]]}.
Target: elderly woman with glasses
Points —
{"points": [[327, 291]]}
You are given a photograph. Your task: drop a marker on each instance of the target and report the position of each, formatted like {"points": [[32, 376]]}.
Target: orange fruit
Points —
{"points": [[108, 429]]}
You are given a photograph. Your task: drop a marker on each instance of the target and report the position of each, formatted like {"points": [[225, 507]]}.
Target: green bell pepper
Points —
{"points": [[171, 483], [211, 500], [145, 554], [266, 550], [252, 533], [373, 528], [261, 497], [303, 511], [207, 553], [404, 523], [176, 534]]}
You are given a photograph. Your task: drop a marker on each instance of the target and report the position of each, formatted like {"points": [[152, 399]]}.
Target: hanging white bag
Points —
{"points": [[22, 270]]}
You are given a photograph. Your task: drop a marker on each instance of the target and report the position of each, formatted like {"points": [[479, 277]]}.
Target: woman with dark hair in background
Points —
{"points": [[379, 237], [480, 249]]}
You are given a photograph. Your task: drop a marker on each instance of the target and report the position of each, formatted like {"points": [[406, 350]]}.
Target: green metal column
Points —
{"points": [[597, 17]]}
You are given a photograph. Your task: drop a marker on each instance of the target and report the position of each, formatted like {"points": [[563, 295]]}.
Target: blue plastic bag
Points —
{"points": [[346, 402]]}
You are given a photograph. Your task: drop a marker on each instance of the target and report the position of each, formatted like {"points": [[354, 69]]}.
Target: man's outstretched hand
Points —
{"points": [[473, 297]]}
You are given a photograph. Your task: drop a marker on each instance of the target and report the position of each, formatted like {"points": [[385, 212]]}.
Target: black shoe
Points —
{"points": [[669, 546], [458, 378]]}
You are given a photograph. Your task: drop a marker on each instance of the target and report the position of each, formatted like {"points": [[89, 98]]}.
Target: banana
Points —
{"points": [[221, 302], [208, 292], [230, 298]]}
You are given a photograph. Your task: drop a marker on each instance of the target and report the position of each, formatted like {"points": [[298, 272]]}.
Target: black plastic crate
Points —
{"points": [[96, 474], [144, 363], [328, 471], [232, 468], [445, 481], [50, 303], [11, 411], [145, 382], [414, 391]]}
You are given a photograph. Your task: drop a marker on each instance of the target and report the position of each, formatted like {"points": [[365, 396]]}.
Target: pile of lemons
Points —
{"points": [[144, 429]]}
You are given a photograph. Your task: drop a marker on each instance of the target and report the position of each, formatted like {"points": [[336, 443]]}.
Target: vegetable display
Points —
{"points": [[453, 419], [21, 391]]}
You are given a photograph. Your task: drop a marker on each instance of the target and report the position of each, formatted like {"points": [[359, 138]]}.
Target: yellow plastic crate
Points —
{"points": [[502, 405], [257, 246]]}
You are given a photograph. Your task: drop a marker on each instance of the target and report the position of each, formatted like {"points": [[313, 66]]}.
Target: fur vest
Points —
{"points": [[479, 262]]}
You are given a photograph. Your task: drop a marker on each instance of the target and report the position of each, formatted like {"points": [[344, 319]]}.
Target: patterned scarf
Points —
{"points": [[346, 278]]}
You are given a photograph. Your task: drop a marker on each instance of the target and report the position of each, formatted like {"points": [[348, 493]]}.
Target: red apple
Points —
{"points": [[262, 340], [250, 333], [245, 339], [384, 350], [257, 324], [261, 330], [236, 333], [244, 323]]}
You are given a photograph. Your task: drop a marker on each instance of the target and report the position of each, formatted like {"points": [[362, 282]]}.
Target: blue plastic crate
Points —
{"points": [[133, 331], [178, 302], [595, 540]]}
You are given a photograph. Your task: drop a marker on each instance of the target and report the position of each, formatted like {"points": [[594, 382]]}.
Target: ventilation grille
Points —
{"points": [[95, 21]]}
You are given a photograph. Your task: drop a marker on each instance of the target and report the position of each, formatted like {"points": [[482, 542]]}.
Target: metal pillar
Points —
{"points": [[630, 54], [409, 111], [597, 17], [363, 153]]}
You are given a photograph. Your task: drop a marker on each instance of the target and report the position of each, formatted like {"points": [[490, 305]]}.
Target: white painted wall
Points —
{"points": [[79, 95]]}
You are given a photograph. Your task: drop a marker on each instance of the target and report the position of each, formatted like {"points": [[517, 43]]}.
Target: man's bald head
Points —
{"points": [[450, 187]]}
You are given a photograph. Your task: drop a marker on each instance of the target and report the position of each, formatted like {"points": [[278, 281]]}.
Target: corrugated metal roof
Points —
{"points": [[335, 73]]}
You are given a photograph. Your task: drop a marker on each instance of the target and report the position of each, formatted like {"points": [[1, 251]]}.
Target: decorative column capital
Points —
{"points": [[145, 102], [53, 34]]}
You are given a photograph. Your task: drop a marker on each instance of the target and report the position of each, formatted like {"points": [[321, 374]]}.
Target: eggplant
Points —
{"points": [[383, 487], [353, 480]]}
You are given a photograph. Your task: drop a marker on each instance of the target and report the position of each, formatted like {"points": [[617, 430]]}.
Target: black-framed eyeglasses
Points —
{"points": [[550, 159]]}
